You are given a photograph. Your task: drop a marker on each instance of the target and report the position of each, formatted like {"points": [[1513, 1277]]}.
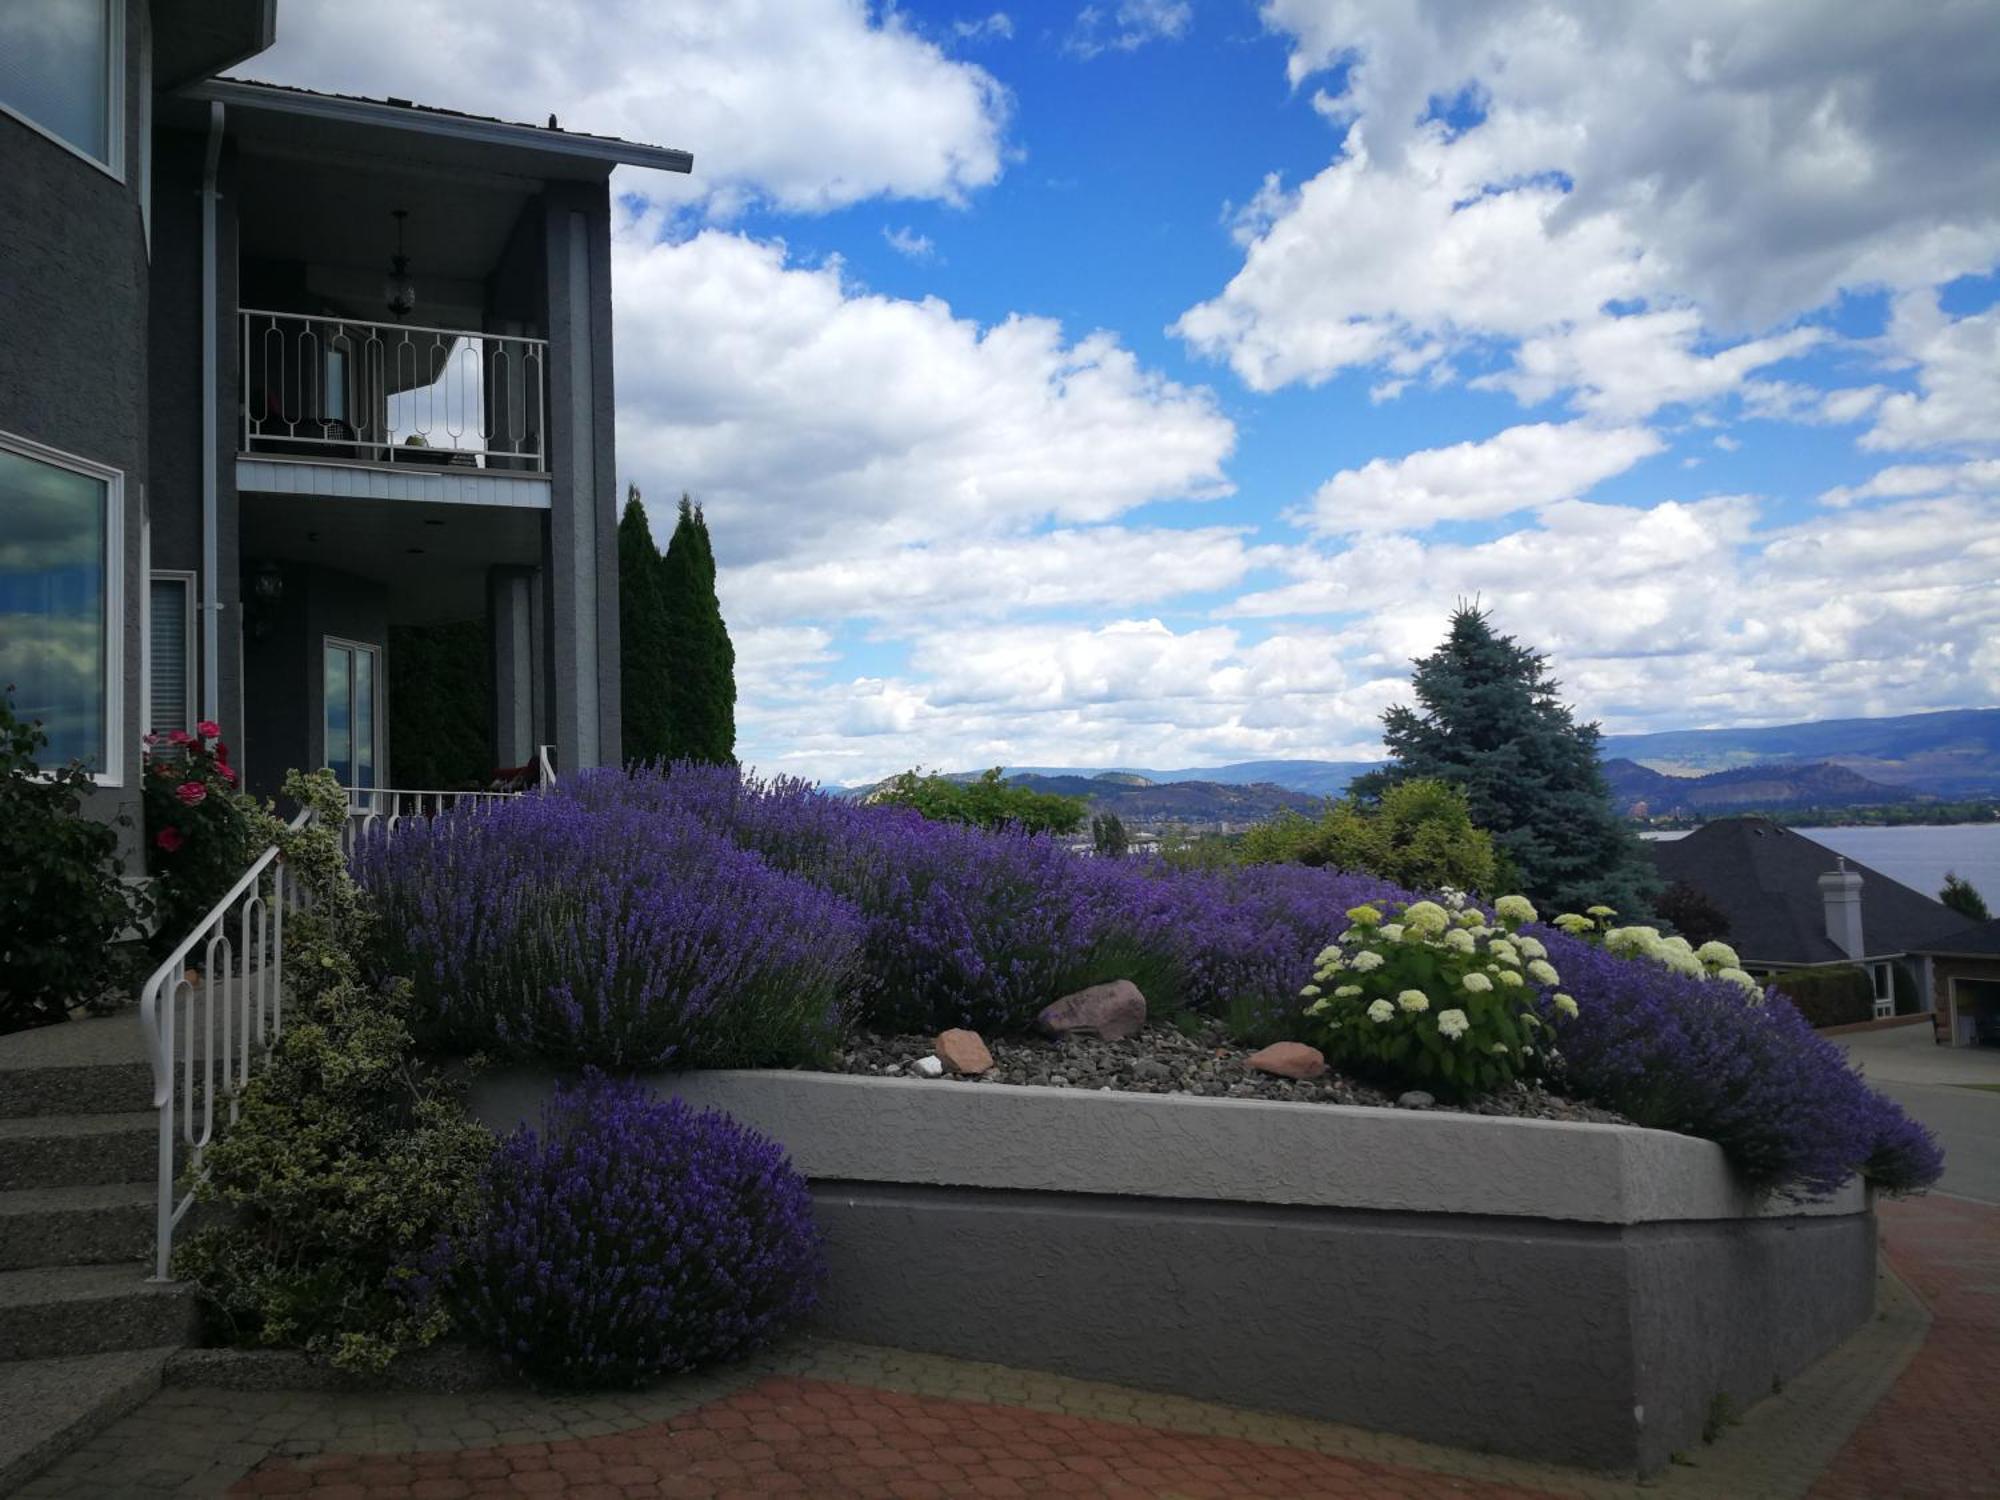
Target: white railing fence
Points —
{"points": [[392, 392], [229, 973], [381, 810]]}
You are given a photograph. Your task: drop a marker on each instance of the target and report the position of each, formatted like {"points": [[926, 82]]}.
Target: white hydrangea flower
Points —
{"points": [[1509, 977], [1477, 983], [1366, 961], [1459, 940], [1515, 909], [1541, 971], [1364, 916], [1527, 1052], [1380, 1011], [1393, 932], [1600, 911], [1310, 991], [1472, 916], [1738, 977], [1414, 1001], [1452, 1024], [1566, 1005], [1347, 992], [1498, 1049], [1530, 1019], [1426, 918], [1530, 947], [1503, 950], [1718, 956], [1318, 1007], [1328, 955]]}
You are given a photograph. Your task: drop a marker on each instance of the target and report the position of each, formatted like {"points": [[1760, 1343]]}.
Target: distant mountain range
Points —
{"points": [[1640, 791], [1827, 763]]}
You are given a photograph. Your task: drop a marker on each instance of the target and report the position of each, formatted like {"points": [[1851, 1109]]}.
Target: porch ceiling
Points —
{"points": [[433, 558]]}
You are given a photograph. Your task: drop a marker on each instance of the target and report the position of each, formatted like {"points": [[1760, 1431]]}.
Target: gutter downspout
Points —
{"points": [[211, 585]]}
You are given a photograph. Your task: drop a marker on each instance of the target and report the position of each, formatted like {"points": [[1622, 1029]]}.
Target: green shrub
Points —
{"points": [[199, 830], [1437, 998], [63, 905], [346, 1165], [988, 802], [441, 704], [1837, 996], [1419, 834]]}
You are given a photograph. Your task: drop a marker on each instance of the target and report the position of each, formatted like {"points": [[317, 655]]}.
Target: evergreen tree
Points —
{"points": [[1488, 721], [701, 679], [644, 648], [1963, 897]]}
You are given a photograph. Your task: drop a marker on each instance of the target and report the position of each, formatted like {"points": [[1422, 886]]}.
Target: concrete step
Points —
{"points": [[53, 1405], [76, 1226], [74, 1089], [56, 1311], [78, 1150]]}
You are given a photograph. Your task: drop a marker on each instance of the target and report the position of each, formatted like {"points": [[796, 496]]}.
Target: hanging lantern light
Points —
{"points": [[399, 292]]}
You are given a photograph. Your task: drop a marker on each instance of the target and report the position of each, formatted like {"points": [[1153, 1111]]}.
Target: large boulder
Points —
{"points": [[1111, 1011]]}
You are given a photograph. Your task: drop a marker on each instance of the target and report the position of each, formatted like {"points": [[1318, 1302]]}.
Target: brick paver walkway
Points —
{"points": [[1936, 1436], [1900, 1412], [792, 1436]]}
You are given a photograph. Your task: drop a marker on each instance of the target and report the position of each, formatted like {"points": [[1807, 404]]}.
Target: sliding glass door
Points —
{"points": [[353, 711]]}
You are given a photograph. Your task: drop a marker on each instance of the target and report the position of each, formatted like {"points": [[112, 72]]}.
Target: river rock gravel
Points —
{"points": [[1169, 1060]]}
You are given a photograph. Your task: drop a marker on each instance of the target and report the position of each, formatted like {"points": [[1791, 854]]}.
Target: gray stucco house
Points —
{"points": [[280, 370]]}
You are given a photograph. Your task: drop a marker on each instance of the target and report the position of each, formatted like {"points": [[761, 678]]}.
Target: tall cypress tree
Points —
{"points": [[1489, 721], [701, 682], [644, 650]]}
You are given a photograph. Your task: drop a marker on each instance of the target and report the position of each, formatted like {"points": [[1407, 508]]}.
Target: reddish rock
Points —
{"points": [[1289, 1060], [1111, 1011], [964, 1053]]}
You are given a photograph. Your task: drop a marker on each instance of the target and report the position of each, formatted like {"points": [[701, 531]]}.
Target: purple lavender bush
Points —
{"points": [[593, 930], [1699, 1057], [632, 1237]]}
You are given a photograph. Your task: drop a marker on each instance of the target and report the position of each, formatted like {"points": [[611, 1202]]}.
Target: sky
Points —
{"points": [[1143, 382]]}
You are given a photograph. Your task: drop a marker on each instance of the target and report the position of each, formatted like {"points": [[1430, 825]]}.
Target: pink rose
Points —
{"points": [[226, 772], [208, 729], [168, 839], [180, 737], [193, 793]]}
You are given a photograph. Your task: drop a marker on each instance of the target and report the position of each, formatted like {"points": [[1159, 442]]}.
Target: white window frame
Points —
{"points": [[375, 709], [187, 577], [113, 162], [113, 480]]}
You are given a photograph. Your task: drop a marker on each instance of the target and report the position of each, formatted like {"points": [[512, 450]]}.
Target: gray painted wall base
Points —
{"points": [[1577, 1294], [1581, 1344]]}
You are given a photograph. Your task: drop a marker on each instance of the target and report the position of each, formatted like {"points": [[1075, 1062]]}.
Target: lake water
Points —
{"points": [[1919, 856]]}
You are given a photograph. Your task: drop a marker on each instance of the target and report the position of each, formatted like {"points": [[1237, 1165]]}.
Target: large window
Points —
{"points": [[352, 716], [61, 70], [60, 520]]}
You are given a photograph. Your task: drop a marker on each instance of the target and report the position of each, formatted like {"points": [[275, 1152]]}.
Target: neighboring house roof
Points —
{"points": [[452, 124], [1765, 878], [1982, 940]]}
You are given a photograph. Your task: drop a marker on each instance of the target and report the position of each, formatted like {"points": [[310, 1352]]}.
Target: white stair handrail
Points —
{"points": [[242, 976]]}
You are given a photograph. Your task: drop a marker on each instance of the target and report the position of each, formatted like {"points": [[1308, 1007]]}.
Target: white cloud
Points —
{"points": [[1958, 379], [1978, 476], [999, 26], [818, 421], [1127, 26], [906, 242], [811, 104], [1717, 166], [1513, 470]]}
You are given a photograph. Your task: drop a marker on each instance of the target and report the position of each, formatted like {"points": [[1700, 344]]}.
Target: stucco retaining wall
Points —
{"points": [[1573, 1293]]}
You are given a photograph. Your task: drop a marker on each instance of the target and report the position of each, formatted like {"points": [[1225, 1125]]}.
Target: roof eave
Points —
{"points": [[231, 91]]}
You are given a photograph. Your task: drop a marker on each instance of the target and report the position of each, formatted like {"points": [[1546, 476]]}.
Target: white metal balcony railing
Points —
{"points": [[315, 387]]}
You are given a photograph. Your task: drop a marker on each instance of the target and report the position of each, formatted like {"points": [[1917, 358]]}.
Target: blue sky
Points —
{"points": [[1142, 382]]}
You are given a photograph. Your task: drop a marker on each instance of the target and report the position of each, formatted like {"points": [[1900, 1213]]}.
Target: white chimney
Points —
{"points": [[1840, 892]]}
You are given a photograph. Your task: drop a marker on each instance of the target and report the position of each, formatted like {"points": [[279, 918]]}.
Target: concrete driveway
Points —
{"points": [[1940, 1086]]}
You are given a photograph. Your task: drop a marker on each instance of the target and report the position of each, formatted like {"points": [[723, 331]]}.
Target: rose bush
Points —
{"points": [[199, 828]]}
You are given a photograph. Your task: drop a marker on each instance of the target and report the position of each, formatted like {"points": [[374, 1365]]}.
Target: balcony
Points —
{"points": [[329, 389]]}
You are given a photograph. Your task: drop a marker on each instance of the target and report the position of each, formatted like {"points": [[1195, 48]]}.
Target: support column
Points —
{"points": [[582, 582], [510, 626]]}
